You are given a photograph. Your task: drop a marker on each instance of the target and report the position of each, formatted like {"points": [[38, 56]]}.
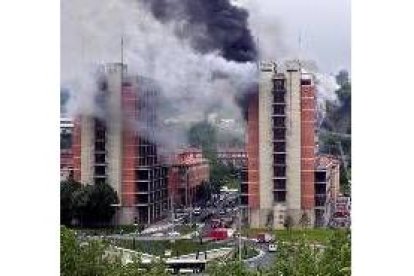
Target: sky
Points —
{"points": [[323, 26]]}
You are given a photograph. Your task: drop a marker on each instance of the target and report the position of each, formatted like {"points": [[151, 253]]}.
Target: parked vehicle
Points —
{"points": [[219, 234], [264, 238], [197, 211], [215, 223], [174, 234], [272, 247]]}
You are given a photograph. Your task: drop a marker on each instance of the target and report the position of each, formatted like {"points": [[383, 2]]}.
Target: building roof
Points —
{"points": [[326, 161]]}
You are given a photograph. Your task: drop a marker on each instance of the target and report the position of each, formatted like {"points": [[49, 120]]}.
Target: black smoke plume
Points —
{"points": [[210, 25]]}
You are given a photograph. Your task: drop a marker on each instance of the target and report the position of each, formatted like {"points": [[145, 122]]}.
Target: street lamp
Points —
{"points": [[239, 213]]}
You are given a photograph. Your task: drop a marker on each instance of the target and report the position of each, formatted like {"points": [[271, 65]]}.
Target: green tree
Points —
{"points": [[94, 204], [67, 205], [336, 260], [228, 268], [98, 258], [299, 258]]}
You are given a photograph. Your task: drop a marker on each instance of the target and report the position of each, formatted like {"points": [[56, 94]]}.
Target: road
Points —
{"points": [[264, 259]]}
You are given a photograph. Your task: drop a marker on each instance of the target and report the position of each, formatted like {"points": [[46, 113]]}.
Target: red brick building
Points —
{"points": [[117, 146], [187, 173]]}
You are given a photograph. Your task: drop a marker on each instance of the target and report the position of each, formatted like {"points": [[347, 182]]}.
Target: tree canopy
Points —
{"points": [[91, 205]]}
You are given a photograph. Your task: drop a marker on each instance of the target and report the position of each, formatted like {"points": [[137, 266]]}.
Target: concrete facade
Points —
{"points": [[293, 141], [114, 74], [266, 146], [87, 146]]}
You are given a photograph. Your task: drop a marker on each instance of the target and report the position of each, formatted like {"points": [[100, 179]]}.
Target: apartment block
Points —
{"points": [[116, 146], [279, 180]]}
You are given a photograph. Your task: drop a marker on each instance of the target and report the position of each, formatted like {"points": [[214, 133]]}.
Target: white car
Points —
{"points": [[167, 253], [197, 211], [157, 235], [272, 247], [174, 234]]}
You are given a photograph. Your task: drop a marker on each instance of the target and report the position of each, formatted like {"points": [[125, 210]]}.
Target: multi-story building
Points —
{"points": [[327, 179], [279, 180], [66, 154], [188, 171], [115, 146]]}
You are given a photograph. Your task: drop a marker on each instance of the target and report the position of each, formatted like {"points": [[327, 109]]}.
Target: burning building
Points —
{"points": [[66, 153], [279, 180], [116, 147]]}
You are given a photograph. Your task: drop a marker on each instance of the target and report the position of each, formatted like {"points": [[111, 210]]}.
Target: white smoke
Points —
{"points": [[274, 42], [91, 33]]}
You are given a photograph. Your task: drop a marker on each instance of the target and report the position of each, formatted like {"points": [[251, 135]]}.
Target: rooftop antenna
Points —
{"points": [[122, 49], [300, 54], [258, 53]]}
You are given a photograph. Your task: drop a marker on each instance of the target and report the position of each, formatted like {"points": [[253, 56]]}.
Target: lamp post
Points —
{"points": [[239, 214]]}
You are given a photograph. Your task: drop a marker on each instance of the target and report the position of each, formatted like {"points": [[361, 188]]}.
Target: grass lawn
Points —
{"points": [[317, 235], [184, 229], [158, 247]]}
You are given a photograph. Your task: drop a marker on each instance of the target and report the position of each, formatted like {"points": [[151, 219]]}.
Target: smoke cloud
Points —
{"points": [[193, 81], [201, 54], [214, 25]]}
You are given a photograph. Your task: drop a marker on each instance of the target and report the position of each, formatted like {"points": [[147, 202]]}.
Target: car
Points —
{"points": [[157, 235], [178, 220], [173, 234], [272, 247], [197, 211], [222, 212], [167, 253], [265, 238]]}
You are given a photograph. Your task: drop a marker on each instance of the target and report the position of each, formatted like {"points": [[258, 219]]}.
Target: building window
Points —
{"points": [[244, 176], [278, 122], [320, 200], [279, 84], [279, 133], [142, 186], [279, 171], [279, 147], [279, 196], [320, 176], [279, 97], [99, 158], [306, 82], [320, 189], [278, 109], [244, 200], [99, 170], [279, 158], [100, 146], [279, 184]]}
